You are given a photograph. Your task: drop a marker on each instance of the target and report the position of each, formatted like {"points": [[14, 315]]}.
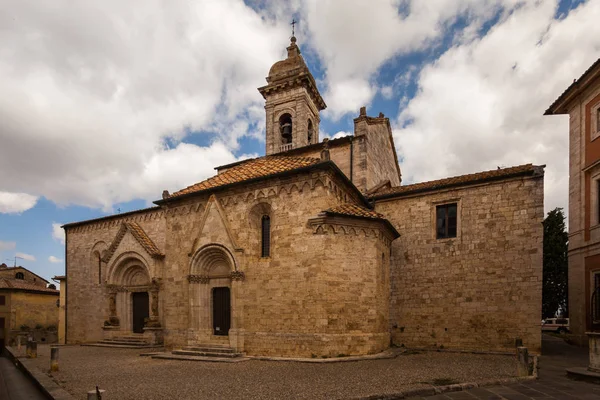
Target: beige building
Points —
{"points": [[28, 305], [316, 249], [581, 101]]}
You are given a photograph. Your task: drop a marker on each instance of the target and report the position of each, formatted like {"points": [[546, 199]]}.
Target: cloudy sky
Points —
{"points": [[106, 103]]}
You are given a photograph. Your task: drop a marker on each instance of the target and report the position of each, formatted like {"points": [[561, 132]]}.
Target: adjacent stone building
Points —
{"points": [[28, 306], [581, 101], [316, 249]]}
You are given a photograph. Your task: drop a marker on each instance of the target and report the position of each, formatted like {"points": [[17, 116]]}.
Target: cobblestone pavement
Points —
{"points": [[126, 375], [552, 383]]}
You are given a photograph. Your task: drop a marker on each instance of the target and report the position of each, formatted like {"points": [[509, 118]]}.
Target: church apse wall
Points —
{"points": [[319, 291], [479, 290]]}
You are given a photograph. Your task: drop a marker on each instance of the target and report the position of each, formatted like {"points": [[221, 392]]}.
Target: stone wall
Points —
{"points": [[310, 296], [33, 309], [86, 294], [480, 290]]}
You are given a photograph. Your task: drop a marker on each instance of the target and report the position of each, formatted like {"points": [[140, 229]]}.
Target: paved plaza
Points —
{"points": [[126, 375], [552, 383]]}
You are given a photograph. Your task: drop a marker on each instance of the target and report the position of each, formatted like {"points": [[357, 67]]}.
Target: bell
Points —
{"points": [[286, 129]]}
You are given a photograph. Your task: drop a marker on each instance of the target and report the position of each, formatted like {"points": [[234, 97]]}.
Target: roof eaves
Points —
{"points": [[573, 89], [531, 172], [318, 165], [385, 221], [109, 217]]}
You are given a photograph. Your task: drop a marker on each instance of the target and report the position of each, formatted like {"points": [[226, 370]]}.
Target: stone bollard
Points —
{"points": [[93, 394], [522, 361], [53, 359], [31, 349]]}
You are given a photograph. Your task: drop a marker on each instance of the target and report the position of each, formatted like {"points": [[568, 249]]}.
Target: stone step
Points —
{"points": [[170, 356], [117, 342], [209, 348], [122, 346], [205, 354], [118, 339]]}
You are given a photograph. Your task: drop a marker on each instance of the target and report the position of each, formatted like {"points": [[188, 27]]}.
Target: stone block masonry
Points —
{"points": [[481, 290]]}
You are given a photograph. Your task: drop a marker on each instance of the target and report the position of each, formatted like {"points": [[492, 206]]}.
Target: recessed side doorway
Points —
{"points": [[141, 310], [221, 310]]}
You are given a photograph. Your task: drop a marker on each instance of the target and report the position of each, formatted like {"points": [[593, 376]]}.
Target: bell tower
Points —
{"points": [[292, 104]]}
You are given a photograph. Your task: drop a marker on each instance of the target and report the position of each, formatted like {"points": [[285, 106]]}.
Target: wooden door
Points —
{"points": [[140, 311], [221, 311]]}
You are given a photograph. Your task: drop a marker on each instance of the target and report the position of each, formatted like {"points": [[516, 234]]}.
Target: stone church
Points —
{"points": [[316, 249]]}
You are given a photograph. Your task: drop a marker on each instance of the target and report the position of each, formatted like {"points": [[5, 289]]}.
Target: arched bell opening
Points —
{"points": [[285, 128], [311, 131]]}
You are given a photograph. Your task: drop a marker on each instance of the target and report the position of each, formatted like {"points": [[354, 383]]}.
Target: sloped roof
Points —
{"points": [[250, 169], [479, 177], [573, 88], [22, 268], [22, 285], [353, 210], [139, 234]]}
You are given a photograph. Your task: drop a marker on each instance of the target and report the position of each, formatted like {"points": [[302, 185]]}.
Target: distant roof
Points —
{"points": [[462, 180], [291, 152], [574, 89], [24, 286], [20, 267], [250, 169]]}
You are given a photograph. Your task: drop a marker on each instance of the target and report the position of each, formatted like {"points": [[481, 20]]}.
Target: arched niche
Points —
{"points": [[285, 128]]}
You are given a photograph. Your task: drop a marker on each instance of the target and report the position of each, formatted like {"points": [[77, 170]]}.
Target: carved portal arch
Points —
{"points": [[129, 269], [212, 260]]}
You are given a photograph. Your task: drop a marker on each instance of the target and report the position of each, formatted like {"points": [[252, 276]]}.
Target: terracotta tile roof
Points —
{"points": [[250, 169], [143, 239], [22, 285], [353, 210], [479, 177], [552, 109]]}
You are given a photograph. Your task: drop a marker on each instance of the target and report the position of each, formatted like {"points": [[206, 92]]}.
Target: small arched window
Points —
{"points": [[310, 131], [52, 286], [265, 236], [285, 128], [19, 275]]}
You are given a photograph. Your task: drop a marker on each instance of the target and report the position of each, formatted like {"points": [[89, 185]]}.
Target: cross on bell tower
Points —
{"points": [[292, 103]]}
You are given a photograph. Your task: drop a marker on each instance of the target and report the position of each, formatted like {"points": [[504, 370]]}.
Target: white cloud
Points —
{"points": [[480, 105], [25, 256], [356, 39], [58, 233], [93, 91], [54, 260], [7, 245], [14, 203]]}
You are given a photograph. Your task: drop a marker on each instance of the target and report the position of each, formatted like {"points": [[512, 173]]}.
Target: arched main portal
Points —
{"points": [[212, 269], [131, 292]]}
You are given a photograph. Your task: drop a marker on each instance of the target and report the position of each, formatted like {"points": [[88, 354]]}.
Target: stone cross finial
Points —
{"points": [[293, 24]]}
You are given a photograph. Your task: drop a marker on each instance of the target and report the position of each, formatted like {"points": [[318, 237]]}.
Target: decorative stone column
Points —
{"points": [[236, 333], [153, 329]]}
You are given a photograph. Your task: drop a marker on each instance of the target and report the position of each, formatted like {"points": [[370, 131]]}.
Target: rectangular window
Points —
{"points": [[446, 221], [2, 300]]}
